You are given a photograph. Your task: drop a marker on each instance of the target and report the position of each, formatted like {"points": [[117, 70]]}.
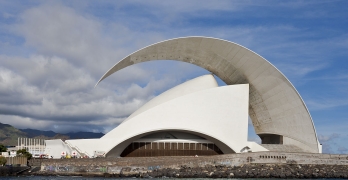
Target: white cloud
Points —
{"points": [[7, 15], [73, 50], [25, 122], [342, 150], [328, 142], [53, 88], [326, 138], [15, 90], [57, 30], [326, 103]]}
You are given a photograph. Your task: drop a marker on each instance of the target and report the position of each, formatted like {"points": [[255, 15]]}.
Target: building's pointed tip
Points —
{"points": [[99, 81]]}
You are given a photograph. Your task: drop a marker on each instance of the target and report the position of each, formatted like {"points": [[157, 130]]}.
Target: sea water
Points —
{"points": [[100, 178]]}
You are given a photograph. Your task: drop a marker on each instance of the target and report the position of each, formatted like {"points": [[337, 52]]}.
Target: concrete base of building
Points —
{"points": [[258, 164]]}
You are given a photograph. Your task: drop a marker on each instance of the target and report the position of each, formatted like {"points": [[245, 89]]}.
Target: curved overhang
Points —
{"points": [[275, 106], [117, 150]]}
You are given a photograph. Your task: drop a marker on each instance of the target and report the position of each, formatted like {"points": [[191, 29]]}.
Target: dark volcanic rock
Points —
{"points": [[10, 170], [158, 170]]}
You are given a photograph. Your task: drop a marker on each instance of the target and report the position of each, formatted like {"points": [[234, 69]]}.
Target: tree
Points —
{"points": [[3, 148], [2, 160], [24, 153]]}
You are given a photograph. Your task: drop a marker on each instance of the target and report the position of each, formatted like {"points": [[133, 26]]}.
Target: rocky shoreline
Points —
{"points": [[11, 171], [242, 165], [222, 171]]}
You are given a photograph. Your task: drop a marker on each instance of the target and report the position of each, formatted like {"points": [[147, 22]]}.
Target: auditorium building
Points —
{"points": [[198, 117]]}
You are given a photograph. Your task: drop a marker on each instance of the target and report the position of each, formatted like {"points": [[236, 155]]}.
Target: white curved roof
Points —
{"points": [[197, 107], [219, 114], [191, 86], [275, 106]]}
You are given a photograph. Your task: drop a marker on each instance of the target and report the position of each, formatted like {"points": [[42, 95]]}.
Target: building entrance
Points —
{"points": [[148, 149]]}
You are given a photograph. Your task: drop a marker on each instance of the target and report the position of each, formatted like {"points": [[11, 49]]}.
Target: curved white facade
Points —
{"points": [[199, 106], [218, 115], [275, 107], [200, 83]]}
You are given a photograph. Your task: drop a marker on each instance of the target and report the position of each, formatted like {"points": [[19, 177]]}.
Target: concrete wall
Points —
{"points": [[22, 161], [145, 164]]}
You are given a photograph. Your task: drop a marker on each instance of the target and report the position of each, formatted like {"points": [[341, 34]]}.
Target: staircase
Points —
{"points": [[74, 148]]}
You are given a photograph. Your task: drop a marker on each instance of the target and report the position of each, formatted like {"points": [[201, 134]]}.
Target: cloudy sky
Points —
{"points": [[52, 53]]}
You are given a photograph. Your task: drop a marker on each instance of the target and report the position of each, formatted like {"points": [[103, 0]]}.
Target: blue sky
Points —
{"points": [[53, 52]]}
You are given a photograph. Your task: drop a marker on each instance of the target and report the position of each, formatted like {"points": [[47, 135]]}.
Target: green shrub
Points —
{"points": [[2, 148], [3, 161], [24, 153]]}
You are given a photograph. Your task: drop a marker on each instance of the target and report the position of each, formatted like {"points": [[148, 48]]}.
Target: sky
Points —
{"points": [[52, 53]]}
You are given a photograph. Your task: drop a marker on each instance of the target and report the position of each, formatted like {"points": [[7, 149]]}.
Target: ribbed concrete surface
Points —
{"points": [[283, 148]]}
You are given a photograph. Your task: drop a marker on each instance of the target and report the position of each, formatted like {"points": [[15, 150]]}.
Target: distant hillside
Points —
{"points": [[84, 135], [30, 133], [9, 134], [72, 135]]}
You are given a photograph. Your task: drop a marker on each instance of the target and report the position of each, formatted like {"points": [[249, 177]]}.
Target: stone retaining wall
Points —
{"points": [[259, 164], [21, 161]]}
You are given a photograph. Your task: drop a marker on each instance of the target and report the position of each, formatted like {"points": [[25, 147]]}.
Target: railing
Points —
{"points": [[77, 149]]}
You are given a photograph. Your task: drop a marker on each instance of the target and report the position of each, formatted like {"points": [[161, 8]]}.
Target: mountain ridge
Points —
{"points": [[9, 135]]}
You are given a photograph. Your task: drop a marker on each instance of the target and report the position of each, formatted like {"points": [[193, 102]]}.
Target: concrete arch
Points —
{"points": [[117, 150], [275, 106]]}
